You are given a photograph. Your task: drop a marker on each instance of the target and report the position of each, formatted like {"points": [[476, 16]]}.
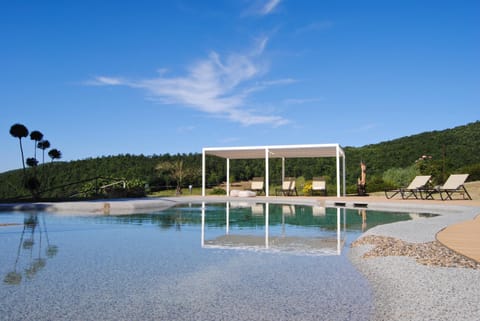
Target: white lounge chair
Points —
{"points": [[288, 187], [258, 185], [418, 184], [319, 185], [454, 184]]}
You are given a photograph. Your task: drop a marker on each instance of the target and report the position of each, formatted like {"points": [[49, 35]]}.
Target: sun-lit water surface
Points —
{"points": [[234, 261]]}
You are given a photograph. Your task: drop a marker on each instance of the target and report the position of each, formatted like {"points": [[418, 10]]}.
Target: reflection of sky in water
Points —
{"points": [[152, 266]]}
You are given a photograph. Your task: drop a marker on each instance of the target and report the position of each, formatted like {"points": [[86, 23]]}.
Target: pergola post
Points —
{"points": [[267, 176], [338, 171], [203, 172], [228, 176], [344, 183]]}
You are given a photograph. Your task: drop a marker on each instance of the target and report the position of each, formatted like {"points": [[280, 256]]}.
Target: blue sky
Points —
{"points": [[102, 78]]}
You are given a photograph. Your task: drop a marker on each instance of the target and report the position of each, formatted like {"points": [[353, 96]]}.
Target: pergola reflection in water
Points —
{"points": [[285, 243]]}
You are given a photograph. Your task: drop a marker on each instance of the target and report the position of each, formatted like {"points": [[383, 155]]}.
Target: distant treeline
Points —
{"points": [[448, 151]]}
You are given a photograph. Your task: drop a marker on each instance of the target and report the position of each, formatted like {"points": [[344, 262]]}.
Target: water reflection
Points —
{"points": [[363, 214], [33, 249], [285, 239], [233, 225]]}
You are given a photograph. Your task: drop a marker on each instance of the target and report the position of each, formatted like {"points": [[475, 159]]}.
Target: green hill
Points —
{"points": [[448, 151], [454, 149]]}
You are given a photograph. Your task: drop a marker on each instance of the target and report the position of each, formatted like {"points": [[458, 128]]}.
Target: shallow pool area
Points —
{"points": [[210, 261]]}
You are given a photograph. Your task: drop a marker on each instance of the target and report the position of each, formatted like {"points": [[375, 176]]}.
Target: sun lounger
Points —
{"points": [[288, 187], [454, 184], [319, 185], [413, 190], [257, 185]]}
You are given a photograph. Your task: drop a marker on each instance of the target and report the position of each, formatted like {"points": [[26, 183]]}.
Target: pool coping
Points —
{"points": [[132, 205]]}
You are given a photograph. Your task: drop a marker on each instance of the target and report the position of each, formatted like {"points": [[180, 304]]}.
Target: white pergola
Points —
{"points": [[279, 151]]}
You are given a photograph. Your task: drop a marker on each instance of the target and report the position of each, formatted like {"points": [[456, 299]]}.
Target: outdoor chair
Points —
{"points": [[454, 184], [319, 185], [258, 185], [415, 188], [288, 187]]}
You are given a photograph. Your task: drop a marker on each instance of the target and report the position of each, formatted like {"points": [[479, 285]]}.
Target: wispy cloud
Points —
{"points": [[216, 86], [269, 6], [262, 7], [102, 81], [315, 26], [301, 101]]}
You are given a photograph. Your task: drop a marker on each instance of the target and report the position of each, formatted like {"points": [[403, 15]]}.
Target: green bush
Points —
{"points": [[399, 176], [218, 191], [377, 184], [473, 171]]}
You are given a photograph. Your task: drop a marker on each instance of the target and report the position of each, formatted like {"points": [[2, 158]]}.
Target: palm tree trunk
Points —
{"points": [[23, 159]]}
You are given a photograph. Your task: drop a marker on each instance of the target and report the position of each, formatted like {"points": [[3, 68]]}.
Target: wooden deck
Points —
{"points": [[463, 238]]}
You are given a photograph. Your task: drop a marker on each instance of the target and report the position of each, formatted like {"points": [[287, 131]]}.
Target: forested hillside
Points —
{"points": [[458, 148], [445, 152]]}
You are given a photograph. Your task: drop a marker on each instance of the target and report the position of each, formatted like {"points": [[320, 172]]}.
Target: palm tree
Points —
{"points": [[43, 144], [54, 154], [19, 131], [36, 136]]}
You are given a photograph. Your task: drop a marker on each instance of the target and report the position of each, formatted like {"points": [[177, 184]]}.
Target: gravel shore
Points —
{"points": [[412, 276]]}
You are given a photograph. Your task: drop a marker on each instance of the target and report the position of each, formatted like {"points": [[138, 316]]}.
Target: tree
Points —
{"points": [[43, 144], [19, 131], [32, 162], [54, 154], [177, 171], [36, 136]]}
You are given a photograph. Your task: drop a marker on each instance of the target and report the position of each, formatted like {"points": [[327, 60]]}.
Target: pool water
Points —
{"points": [[232, 261]]}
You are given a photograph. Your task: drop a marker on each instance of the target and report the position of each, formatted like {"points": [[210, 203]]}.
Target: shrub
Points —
{"points": [[307, 188], [399, 176], [473, 171], [377, 184], [218, 191]]}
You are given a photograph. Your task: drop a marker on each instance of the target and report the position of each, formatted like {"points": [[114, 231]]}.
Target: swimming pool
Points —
{"points": [[223, 261]]}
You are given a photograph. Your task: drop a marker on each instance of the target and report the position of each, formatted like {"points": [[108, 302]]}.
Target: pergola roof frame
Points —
{"points": [[276, 151]]}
